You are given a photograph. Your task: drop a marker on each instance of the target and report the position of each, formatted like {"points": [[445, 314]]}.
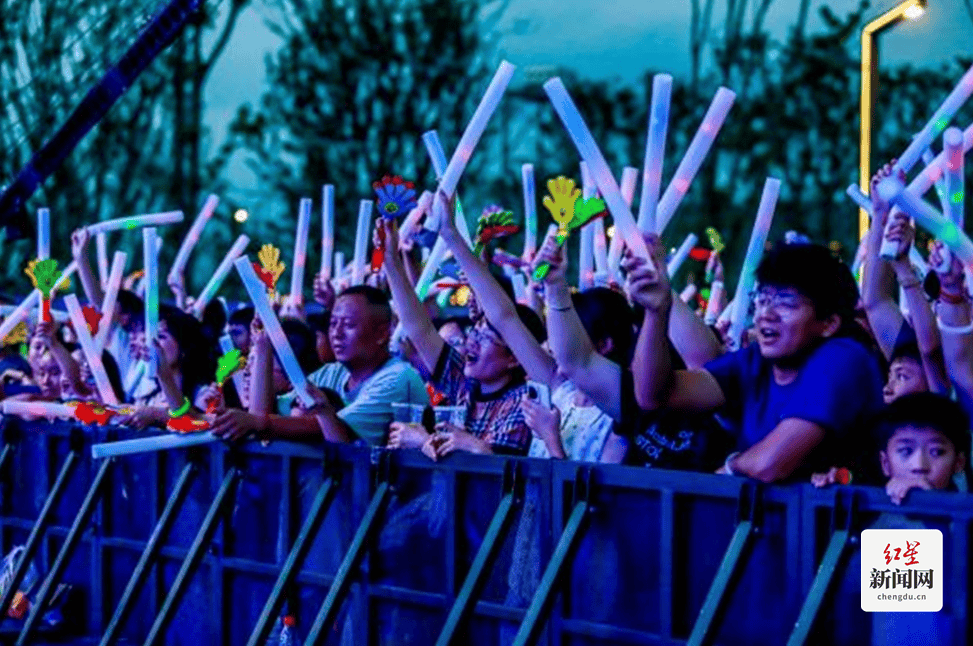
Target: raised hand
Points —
{"points": [[551, 254], [79, 242]]}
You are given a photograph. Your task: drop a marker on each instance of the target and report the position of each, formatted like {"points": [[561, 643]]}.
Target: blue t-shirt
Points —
{"points": [[839, 388]]}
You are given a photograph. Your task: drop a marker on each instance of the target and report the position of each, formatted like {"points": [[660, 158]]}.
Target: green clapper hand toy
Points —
{"points": [[44, 274], [494, 224], [226, 365], [716, 242], [569, 211]]}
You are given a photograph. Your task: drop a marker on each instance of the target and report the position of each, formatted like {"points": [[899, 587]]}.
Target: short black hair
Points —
{"points": [[131, 305], [374, 297], [816, 274], [319, 321], [924, 410], [533, 322], [303, 343], [463, 322], [242, 316], [606, 314], [908, 350]]}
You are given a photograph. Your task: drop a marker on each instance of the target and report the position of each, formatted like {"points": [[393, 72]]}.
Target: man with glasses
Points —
{"points": [[799, 392]]}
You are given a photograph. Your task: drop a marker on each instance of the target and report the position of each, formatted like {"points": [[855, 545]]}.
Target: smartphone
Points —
{"points": [[539, 393]]}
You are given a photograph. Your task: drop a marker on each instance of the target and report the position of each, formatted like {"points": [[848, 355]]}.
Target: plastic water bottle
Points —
{"points": [[288, 635]]}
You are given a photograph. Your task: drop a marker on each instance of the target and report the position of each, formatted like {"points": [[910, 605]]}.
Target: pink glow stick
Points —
{"points": [[300, 251], [111, 296], [327, 229], [655, 150], [189, 242], [93, 356]]}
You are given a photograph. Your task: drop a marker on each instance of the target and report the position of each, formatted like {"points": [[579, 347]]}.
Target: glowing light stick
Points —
{"points": [[149, 444], [436, 257], [288, 361], [655, 149], [222, 271], [111, 296], [135, 222], [748, 273], [586, 274], [149, 247], [189, 242], [30, 410], [717, 291], [585, 143], [953, 150], [226, 344], [530, 210], [601, 252], [300, 251], [92, 354], [929, 157], [698, 149], [361, 242], [475, 128], [411, 221], [43, 234], [438, 157], [339, 264], [630, 176], [681, 254], [327, 229], [101, 244]]}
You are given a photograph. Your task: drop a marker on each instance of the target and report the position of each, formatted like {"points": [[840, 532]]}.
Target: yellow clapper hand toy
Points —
{"points": [[568, 212], [270, 268]]}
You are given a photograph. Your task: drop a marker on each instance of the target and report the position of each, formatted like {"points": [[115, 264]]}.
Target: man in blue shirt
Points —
{"points": [[799, 393]]}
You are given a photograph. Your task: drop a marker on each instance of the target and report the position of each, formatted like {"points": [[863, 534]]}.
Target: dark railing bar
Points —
{"points": [[80, 525], [150, 553], [615, 635], [193, 558]]}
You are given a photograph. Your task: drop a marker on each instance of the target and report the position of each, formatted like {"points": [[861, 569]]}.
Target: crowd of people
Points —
{"points": [[831, 384]]}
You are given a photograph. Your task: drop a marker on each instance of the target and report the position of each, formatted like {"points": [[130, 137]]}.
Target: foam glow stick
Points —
{"points": [[953, 149], [101, 244], [300, 251], [530, 210], [655, 150], [698, 149], [149, 248], [90, 352], [438, 157], [111, 296], [339, 264], [189, 242], [929, 157], [630, 176], [429, 270], [43, 234], [135, 222], [222, 271], [27, 410], [361, 242], [681, 254], [586, 273], [327, 229], [748, 273], [226, 344], [601, 251], [475, 128], [150, 444], [411, 221], [585, 143], [462, 226], [288, 361], [716, 293]]}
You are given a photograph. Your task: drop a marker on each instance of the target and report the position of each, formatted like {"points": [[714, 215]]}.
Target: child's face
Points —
{"points": [[47, 375], [921, 453], [906, 376]]}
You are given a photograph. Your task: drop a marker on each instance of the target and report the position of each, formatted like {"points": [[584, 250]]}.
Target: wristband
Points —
{"points": [[952, 299], [182, 410], [949, 329], [729, 459], [910, 284]]}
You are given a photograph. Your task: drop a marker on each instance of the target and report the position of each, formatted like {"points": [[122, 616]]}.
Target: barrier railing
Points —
{"points": [[208, 545]]}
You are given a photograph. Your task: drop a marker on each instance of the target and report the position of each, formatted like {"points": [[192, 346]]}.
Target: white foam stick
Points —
{"points": [[655, 150], [90, 352], [530, 210], [327, 229], [300, 250], [339, 264], [132, 379], [462, 226], [476, 127], [101, 244], [411, 222], [630, 176], [601, 251], [716, 293], [698, 149], [955, 185], [438, 157], [681, 254], [688, 293], [936, 124], [43, 234], [605, 181], [135, 222], [748, 273], [288, 361], [928, 157], [727, 312], [32, 301], [189, 242], [149, 249], [222, 271], [586, 273], [588, 188], [361, 241], [150, 444], [33, 410], [226, 345], [111, 296]]}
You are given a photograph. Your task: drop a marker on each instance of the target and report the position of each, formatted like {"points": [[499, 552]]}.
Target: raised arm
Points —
{"points": [[779, 454], [79, 249], [878, 285], [955, 323], [692, 338], [412, 315], [496, 305], [573, 350]]}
